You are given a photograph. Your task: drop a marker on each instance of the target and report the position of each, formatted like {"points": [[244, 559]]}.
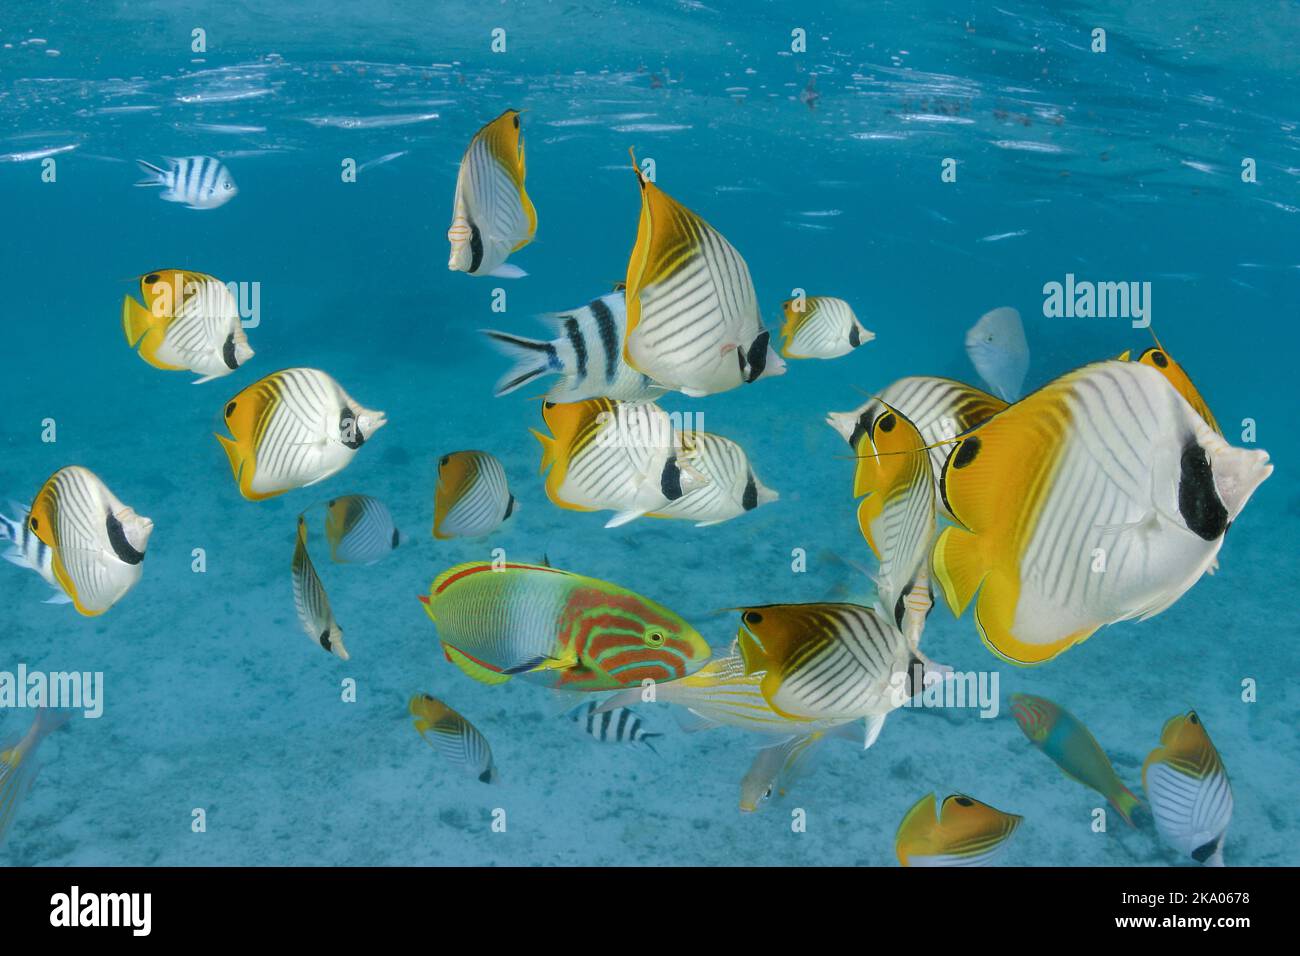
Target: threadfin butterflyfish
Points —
{"points": [[821, 327], [556, 628], [310, 600], [472, 497], [460, 742], [1163, 362], [492, 215], [614, 456], [28, 551], [97, 544], [963, 832], [832, 660], [359, 529], [189, 320], [731, 488], [586, 353], [1188, 790], [1059, 734], [292, 429], [1099, 498], [693, 322], [998, 350]]}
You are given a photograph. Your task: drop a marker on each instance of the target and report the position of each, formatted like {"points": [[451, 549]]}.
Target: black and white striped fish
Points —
{"points": [[311, 602], [821, 327], [618, 726], [693, 322], [28, 551], [587, 354], [732, 487], [199, 182], [473, 496], [1188, 790], [360, 530], [459, 741], [493, 215]]}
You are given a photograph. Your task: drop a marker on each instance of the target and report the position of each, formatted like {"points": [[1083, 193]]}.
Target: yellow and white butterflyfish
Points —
{"points": [[732, 487], [940, 408], [189, 320], [472, 497], [1188, 790], [693, 322], [1101, 497], [775, 769], [359, 529], [493, 215], [97, 544], [832, 661], [722, 694], [964, 832], [310, 600], [292, 429], [613, 456], [897, 516], [460, 742], [1163, 362], [821, 327]]}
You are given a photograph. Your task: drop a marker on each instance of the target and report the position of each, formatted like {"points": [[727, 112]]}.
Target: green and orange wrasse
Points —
{"points": [[1060, 735], [556, 628]]}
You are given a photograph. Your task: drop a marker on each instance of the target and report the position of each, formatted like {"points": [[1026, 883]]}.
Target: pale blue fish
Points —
{"points": [[998, 350]]}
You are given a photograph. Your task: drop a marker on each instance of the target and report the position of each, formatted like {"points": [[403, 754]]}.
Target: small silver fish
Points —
{"points": [[199, 182]]}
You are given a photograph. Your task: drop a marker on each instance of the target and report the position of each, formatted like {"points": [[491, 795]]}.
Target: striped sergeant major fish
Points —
{"points": [[620, 725], [940, 408], [28, 551], [693, 322], [586, 353], [292, 429], [199, 182], [493, 215], [97, 544], [1108, 462], [460, 742], [18, 765]]}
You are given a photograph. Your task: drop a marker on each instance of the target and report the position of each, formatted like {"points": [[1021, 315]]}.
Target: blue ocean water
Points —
{"points": [[1123, 165]]}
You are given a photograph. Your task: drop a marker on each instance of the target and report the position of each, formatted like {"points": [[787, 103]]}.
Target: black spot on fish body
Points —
{"points": [[757, 357], [397, 537], [670, 481], [475, 247], [1206, 850], [915, 676], [749, 500], [325, 641], [966, 452], [854, 338], [230, 409], [579, 345], [1198, 499], [510, 508], [899, 608], [486, 775], [349, 431], [228, 352], [753, 617], [860, 428], [117, 541]]}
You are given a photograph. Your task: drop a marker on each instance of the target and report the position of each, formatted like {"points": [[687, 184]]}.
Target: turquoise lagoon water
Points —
{"points": [[1117, 166]]}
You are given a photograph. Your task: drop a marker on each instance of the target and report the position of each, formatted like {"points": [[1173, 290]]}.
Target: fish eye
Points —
{"points": [[442, 462], [888, 422], [151, 278], [753, 617], [654, 639], [965, 802], [227, 186], [230, 409], [1193, 718], [1160, 359], [34, 523], [767, 793]]}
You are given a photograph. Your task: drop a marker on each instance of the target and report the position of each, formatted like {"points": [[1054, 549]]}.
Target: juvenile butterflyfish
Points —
{"points": [[821, 327], [460, 742], [472, 497], [998, 350], [359, 530], [493, 216], [198, 182], [1188, 790], [310, 600], [964, 832], [189, 321]]}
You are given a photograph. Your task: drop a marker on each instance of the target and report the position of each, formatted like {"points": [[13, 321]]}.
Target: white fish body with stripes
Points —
{"points": [[1102, 497], [693, 322], [617, 725], [586, 354], [493, 215], [459, 741], [359, 529], [940, 408], [775, 769], [998, 350], [614, 456], [97, 544], [897, 516], [292, 429], [833, 661], [18, 766], [1188, 790], [731, 490], [821, 327], [198, 182], [310, 600], [189, 320], [473, 497], [28, 551]]}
